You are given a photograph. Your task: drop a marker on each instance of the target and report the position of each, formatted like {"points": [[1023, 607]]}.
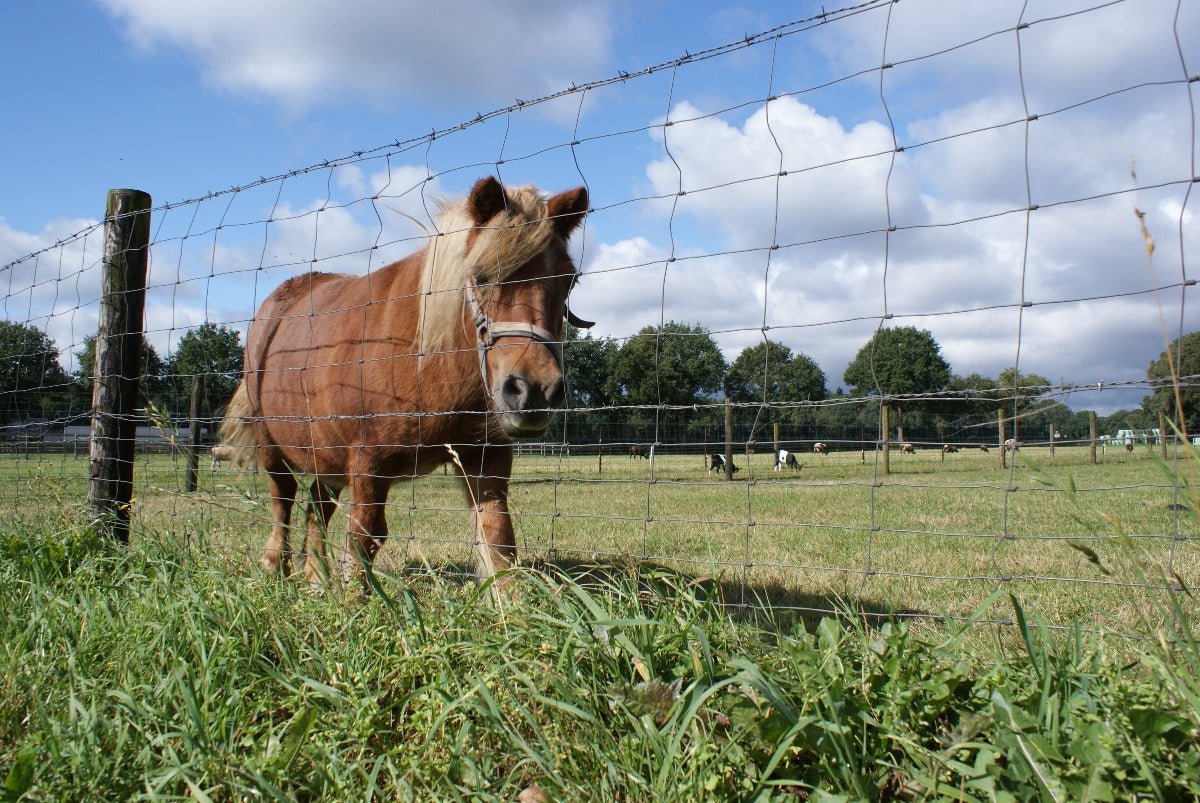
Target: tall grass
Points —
{"points": [[163, 671]]}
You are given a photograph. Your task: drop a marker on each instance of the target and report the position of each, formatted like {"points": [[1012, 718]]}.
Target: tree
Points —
{"points": [[971, 397], [771, 372], [32, 383], [588, 361], [1020, 391], [152, 387], [1184, 356], [1125, 419], [672, 364], [900, 361], [903, 360], [214, 354]]}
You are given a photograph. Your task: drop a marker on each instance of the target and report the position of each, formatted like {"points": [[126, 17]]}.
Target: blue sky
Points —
{"points": [[183, 99]]}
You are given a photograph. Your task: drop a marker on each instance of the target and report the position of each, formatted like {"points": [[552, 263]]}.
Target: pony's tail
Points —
{"points": [[237, 429]]}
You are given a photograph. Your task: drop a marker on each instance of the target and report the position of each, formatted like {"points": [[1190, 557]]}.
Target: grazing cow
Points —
{"points": [[948, 448], [1129, 447], [983, 448], [637, 450], [786, 458], [820, 448], [908, 448], [716, 462], [1012, 445]]}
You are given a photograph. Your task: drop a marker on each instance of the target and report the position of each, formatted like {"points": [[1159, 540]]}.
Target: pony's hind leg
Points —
{"points": [[276, 557], [321, 507]]}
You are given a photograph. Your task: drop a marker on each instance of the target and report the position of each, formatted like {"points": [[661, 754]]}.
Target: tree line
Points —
{"points": [[34, 386], [672, 378]]}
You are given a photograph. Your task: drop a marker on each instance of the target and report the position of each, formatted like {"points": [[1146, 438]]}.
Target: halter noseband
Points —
{"points": [[490, 331]]}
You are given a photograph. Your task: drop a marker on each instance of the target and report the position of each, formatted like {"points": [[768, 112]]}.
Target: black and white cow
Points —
{"points": [[785, 458], [716, 462]]}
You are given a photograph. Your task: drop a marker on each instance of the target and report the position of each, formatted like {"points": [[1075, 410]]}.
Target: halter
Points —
{"points": [[490, 331]]}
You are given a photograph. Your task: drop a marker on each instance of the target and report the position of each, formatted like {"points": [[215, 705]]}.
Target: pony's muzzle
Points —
{"points": [[525, 407]]}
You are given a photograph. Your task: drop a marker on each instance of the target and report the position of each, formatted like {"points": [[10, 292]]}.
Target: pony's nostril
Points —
{"points": [[557, 393], [515, 392]]}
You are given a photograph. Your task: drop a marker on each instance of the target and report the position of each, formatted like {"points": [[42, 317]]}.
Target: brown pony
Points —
{"points": [[444, 356]]}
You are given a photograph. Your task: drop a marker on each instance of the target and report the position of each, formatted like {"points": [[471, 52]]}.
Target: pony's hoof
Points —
{"points": [[274, 566]]}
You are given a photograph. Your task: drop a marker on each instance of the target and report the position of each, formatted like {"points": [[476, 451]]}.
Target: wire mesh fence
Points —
{"points": [[912, 490]]}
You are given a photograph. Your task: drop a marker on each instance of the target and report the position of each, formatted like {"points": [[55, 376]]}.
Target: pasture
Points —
{"points": [[175, 668], [933, 538]]}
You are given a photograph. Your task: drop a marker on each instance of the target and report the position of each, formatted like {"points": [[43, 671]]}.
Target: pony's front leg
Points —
{"points": [[367, 529], [276, 556], [321, 508], [486, 470]]}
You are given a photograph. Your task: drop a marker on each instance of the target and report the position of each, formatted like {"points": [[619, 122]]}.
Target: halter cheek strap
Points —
{"points": [[489, 331]]}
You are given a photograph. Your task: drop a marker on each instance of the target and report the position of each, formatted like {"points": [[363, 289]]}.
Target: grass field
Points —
{"points": [[932, 537], [173, 669]]}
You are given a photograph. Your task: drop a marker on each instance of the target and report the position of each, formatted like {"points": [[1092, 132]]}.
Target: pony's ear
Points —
{"points": [[567, 210], [486, 200]]}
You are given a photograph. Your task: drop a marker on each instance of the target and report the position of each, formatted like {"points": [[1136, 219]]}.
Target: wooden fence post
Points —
{"points": [[118, 360], [193, 452], [1092, 430], [886, 426], [728, 439], [1053, 434], [1003, 450], [1162, 433], [775, 440]]}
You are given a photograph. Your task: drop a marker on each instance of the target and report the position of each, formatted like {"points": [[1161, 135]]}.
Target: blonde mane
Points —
{"points": [[509, 240]]}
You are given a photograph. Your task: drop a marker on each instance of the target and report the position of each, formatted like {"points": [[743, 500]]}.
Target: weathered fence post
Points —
{"points": [[1092, 431], [1162, 433], [193, 452], [775, 440], [886, 425], [1003, 449], [118, 360], [600, 452], [728, 439], [1053, 435]]}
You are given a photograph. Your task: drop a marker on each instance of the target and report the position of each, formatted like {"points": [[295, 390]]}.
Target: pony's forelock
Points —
{"points": [[501, 246]]}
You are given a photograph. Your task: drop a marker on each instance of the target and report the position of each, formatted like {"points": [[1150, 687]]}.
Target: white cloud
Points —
{"points": [[962, 258], [377, 50], [1071, 49], [834, 184], [58, 289], [965, 253], [215, 261]]}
